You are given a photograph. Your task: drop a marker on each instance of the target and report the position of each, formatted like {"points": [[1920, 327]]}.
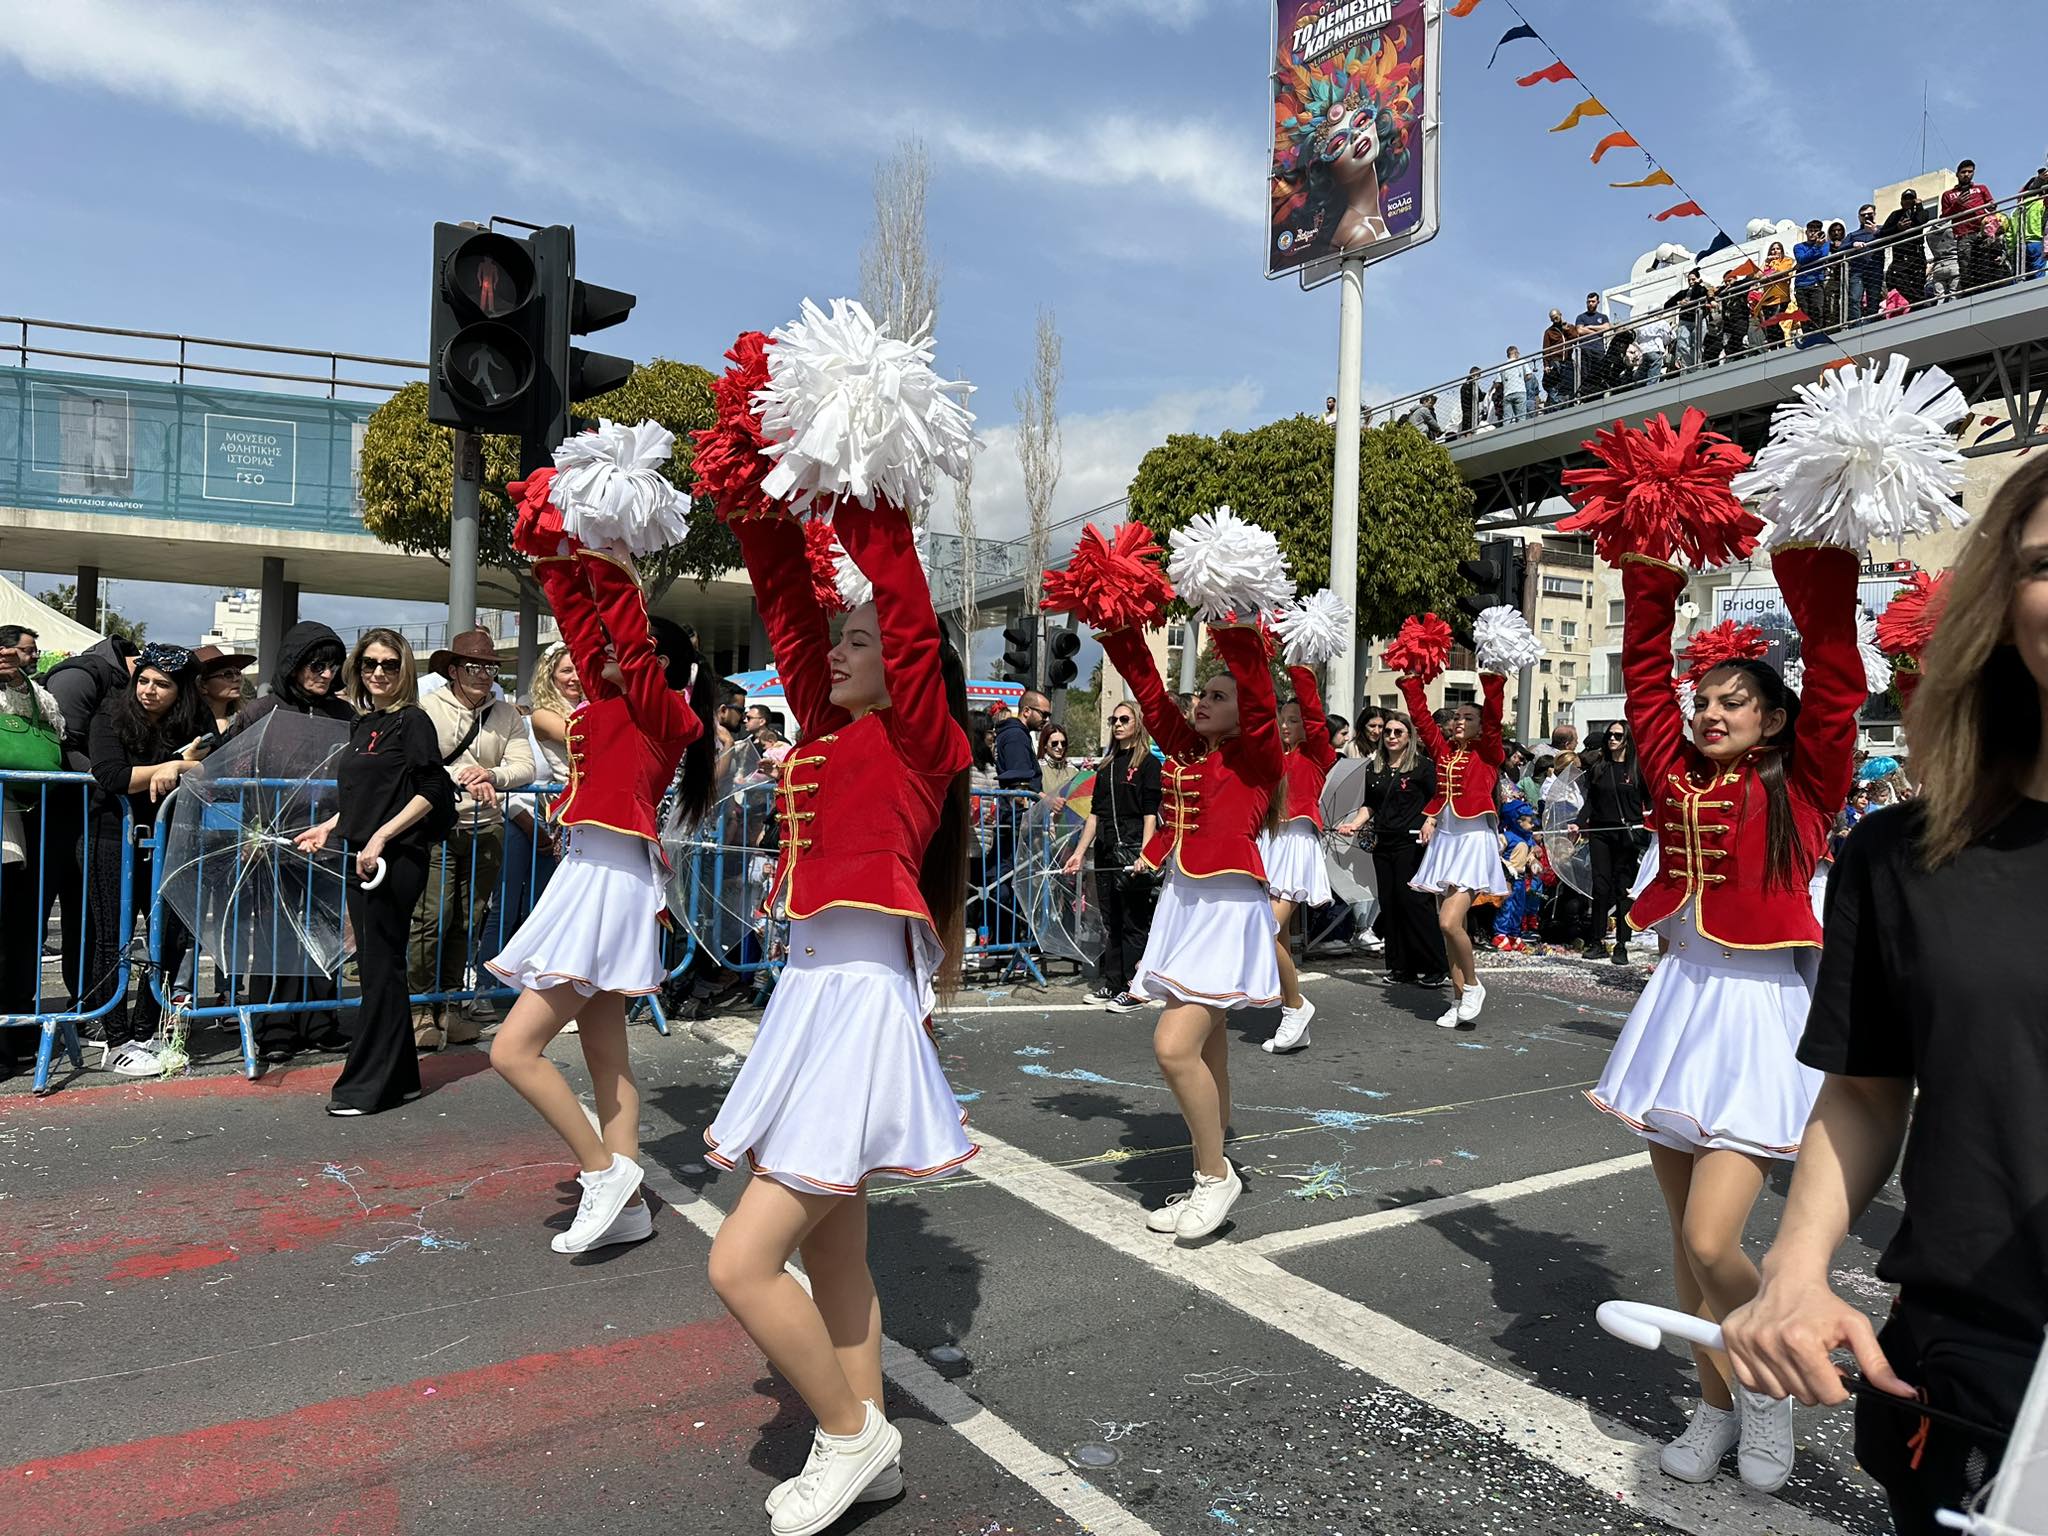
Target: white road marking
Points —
{"points": [[1042, 1472], [946, 1011], [1425, 1210], [1611, 1456]]}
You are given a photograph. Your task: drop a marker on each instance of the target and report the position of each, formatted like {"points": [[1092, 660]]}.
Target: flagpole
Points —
{"points": [[1344, 667]]}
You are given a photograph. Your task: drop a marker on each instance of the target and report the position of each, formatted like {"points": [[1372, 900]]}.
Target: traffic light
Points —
{"points": [[484, 339], [568, 374], [1020, 652], [1495, 578], [1061, 670]]}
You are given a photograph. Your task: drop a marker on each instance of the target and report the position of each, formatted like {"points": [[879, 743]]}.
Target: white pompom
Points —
{"points": [[1861, 456], [852, 413], [854, 587], [1224, 567], [1877, 667], [1504, 642], [1315, 630], [610, 489], [1687, 692], [1795, 674]]}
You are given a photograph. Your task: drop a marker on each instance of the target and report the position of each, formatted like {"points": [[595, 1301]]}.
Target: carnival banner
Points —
{"points": [[1353, 134]]}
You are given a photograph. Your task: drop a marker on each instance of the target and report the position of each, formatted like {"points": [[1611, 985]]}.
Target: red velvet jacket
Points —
{"points": [[1465, 776], [623, 745], [1309, 764], [1710, 820], [1212, 802], [858, 800]]}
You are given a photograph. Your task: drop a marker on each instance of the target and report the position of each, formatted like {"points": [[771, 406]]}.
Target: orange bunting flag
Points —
{"points": [[1620, 139], [1656, 178], [1585, 109], [1555, 74], [1465, 7], [1681, 211]]}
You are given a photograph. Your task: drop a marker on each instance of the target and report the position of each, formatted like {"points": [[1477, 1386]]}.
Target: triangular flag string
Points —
{"points": [[1657, 178], [1513, 34], [1553, 74], [1590, 107], [1620, 139], [1685, 210], [1465, 7]]}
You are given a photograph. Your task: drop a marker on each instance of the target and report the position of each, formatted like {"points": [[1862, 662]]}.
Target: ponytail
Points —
{"points": [[1783, 861], [689, 674], [942, 879]]}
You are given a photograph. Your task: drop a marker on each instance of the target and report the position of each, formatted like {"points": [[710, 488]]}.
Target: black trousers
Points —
{"points": [[64, 876], [110, 925], [1615, 862], [383, 1066], [1126, 902], [1415, 944], [1976, 1373], [21, 936]]}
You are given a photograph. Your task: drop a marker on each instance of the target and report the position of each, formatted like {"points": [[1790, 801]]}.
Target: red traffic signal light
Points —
{"points": [[484, 345]]}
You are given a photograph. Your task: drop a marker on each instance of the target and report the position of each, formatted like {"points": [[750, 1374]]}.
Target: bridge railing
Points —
{"points": [[23, 339]]}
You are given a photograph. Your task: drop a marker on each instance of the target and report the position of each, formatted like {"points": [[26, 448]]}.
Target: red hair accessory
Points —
{"points": [[1662, 490], [1112, 582], [1727, 641], [1908, 621], [729, 465], [821, 553], [1420, 648], [537, 522]]}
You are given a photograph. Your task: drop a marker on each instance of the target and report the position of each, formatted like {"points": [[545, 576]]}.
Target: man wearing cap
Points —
{"points": [[1809, 283], [486, 750]]}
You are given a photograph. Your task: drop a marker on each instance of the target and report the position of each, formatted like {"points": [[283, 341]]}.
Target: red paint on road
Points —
{"points": [[155, 1266], [437, 1071], [353, 1461]]}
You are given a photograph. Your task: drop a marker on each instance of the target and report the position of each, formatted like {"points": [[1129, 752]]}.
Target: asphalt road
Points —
{"points": [[227, 1312]]}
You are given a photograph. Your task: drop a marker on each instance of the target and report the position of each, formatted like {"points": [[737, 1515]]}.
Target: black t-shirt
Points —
{"points": [[1399, 798], [1614, 794], [1126, 792], [1937, 976], [392, 756]]}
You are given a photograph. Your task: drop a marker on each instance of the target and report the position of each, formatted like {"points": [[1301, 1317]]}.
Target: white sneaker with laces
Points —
{"points": [[1470, 1004], [605, 1196], [840, 1469], [1208, 1206], [1765, 1458], [1167, 1217], [1292, 1034], [1695, 1456], [1448, 1019], [887, 1484]]}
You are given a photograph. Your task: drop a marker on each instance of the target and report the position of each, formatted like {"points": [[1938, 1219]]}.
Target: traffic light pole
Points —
{"points": [[1342, 683], [1525, 685], [463, 518]]}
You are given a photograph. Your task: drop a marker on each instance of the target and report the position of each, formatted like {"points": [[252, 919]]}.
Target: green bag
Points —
{"points": [[27, 744]]}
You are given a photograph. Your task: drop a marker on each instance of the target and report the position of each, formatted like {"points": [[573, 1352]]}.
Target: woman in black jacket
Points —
{"points": [[137, 744], [1611, 820], [1400, 781], [1123, 814]]}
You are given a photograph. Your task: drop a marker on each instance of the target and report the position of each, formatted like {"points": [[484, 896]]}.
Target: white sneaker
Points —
{"points": [[840, 1469], [1765, 1459], [1292, 1034], [1448, 1019], [1470, 1004], [605, 1197], [1207, 1207], [887, 1484], [1371, 944], [635, 1225], [1167, 1217], [1695, 1456]]}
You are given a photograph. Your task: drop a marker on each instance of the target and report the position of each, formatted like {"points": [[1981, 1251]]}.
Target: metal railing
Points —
{"points": [[1744, 318], [24, 347]]}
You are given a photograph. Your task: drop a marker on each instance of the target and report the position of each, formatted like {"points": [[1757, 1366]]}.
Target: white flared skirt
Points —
{"points": [[597, 926], [1464, 855], [1817, 891], [844, 1083], [1646, 868], [1295, 870], [1708, 1056], [1211, 942]]}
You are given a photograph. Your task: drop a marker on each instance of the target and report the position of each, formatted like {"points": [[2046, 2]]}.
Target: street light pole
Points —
{"points": [[1344, 668], [462, 532]]}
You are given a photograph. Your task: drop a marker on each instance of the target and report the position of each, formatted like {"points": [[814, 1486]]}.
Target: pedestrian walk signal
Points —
{"points": [[1060, 671], [483, 348], [1495, 578], [1020, 653]]}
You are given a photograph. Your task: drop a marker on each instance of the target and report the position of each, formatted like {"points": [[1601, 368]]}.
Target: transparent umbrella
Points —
{"points": [[719, 868], [1570, 854], [231, 868], [1060, 908]]}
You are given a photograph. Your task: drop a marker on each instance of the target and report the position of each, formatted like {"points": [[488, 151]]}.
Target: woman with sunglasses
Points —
{"points": [[1295, 873], [1611, 821], [396, 802], [1057, 773], [1123, 816], [1400, 782]]}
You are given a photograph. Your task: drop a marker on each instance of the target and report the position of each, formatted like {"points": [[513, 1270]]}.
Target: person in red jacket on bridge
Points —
{"points": [[1295, 873]]}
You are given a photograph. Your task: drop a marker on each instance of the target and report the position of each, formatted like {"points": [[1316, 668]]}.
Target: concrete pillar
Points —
{"points": [[289, 614], [270, 620], [529, 639], [759, 653], [88, 604]]}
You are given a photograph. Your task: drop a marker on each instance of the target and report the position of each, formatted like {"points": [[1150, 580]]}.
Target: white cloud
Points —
{"points": [[1198, 161], [1178, 14]]}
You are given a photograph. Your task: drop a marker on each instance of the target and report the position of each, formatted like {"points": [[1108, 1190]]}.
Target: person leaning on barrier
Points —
{"points": [[139, 743], [22, 698], [79, 685], [484, 746]]}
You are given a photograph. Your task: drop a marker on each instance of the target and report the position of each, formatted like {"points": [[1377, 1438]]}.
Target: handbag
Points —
{"points": [[29, 745]]}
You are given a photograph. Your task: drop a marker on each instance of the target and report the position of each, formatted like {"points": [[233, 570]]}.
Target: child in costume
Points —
{"points": [[1519, 854]]}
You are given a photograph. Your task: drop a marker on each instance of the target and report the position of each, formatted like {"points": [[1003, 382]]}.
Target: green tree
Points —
{"points": [[1082, 717], [112, 624], [409, 475], [1415, 511]]}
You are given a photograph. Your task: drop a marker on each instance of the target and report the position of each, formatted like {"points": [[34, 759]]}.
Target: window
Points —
{"points": [[1390, 701], [1571, 631], [1616, 683], [1548, 625], [1568, 670], [1566, 586], [1457, 693], [1615, 612], [1544, 665]]}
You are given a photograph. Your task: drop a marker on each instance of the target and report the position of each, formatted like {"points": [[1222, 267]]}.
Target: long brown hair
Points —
{"points": [[942, 879], [1408, 754], [1975, 720], [1784, 866], [408, 671]]}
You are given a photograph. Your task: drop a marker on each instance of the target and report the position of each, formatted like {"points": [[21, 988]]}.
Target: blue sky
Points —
{"points": [[269, 171]]}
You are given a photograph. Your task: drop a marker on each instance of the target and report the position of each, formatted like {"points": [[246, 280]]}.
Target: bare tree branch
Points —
{"points": [[1038, 445], [899, 279], [963, 515]]}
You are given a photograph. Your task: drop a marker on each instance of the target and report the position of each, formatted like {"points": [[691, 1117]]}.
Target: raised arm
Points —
{"points": [[877, 539], [1493, 747], [1650, 590], [799, 633], [1426, 733], [1255, 751], [658, 709], [568, 593], [1315, 725], [1132, 659], [1820, 592]]}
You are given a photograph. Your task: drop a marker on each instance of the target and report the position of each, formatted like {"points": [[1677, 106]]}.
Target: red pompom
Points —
{"points": [[821, 552], [729, 466], [1908, 621], [537, 522], [1662, 491], [1112, 583], [1421, 647], [1727, 641]]}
